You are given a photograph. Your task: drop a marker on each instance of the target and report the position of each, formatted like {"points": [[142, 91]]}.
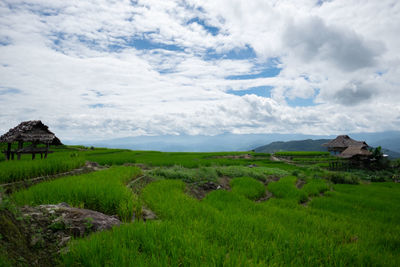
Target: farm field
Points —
{"points": [[216, 209]]}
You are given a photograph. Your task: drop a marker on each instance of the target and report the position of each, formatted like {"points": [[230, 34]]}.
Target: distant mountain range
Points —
{"points": [[231, 142], [298, 145], [307, 145]]}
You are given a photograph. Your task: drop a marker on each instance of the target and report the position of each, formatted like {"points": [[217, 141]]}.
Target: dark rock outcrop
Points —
{"points": [[35, 235]]}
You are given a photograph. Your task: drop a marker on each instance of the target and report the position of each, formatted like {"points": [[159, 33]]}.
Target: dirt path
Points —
{"points": [[273, 158]]}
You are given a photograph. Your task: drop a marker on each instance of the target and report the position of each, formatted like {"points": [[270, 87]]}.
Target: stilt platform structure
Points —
{"points": [[33, 133], [355, 152]]}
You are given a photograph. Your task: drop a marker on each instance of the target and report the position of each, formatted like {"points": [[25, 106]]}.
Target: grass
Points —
{"points": [[260, 173], [16, 170], [227, 229], [314, 187], [104, 191], [169, 159], [301, 153], [285, 188], [313, 159], [202, 174], [247, 187], [350, 225]]}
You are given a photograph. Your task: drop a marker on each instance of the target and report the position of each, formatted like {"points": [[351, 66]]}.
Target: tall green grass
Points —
{"points": [[187, 175], [16, 170], [104, 191], [191, 175], [248, 187], [285, 188], [260, 173], [302, 153], [227, 229], [169, 159]]}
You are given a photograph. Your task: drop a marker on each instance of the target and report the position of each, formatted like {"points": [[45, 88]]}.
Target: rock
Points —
{"points": [[252, 165], [44, 230], [148, 214], [69, 220], [209, 186], [36, 241]]}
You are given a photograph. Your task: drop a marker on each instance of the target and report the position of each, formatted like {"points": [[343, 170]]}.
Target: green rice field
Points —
{"points": [[265, 213]]}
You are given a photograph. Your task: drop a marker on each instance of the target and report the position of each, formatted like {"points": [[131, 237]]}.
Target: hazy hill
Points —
{"points": [[232, 142], [307, 145], [300, 145]]}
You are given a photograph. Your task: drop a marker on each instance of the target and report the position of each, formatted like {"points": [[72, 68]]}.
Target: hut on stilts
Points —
{"points": [[355, 152], [32, 132]]}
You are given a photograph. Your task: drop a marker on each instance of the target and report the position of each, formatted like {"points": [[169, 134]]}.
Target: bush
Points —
{"points": [[342, 178], [259, 173], [185, 174]]}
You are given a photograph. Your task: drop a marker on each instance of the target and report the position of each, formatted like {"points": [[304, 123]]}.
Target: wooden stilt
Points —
{"points": [[8, 151], [20, 146], [47, 149], [33, 146]]}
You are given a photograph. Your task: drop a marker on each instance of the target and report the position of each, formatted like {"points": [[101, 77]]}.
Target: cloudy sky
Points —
{"points": [[99, 69]]}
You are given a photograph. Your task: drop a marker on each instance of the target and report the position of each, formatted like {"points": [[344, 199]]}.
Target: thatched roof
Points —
{"points": [[352, 151], [344, 141], [30, 131]]}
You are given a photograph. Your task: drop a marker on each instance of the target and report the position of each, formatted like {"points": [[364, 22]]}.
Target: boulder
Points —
{"points": [[69, 220]]}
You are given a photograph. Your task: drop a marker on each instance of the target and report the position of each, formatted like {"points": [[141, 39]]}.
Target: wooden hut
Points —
{"points": [[33, 132], [354, 153], [358, 156], [342, 142]]}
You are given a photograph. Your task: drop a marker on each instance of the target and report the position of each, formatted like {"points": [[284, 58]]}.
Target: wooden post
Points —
{"points": [[33, 148], [47, 149], [20, 146], [8, 151]]}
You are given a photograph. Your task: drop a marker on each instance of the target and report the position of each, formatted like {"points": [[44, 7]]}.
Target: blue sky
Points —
{"points": [[129, 68]]}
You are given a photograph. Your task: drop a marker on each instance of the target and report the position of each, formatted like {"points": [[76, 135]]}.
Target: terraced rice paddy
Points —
{"points": [[308, 221]]}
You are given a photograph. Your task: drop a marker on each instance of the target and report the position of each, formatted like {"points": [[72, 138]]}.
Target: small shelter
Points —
{"points": [[355, 151], [342, 142], [34, 132]]}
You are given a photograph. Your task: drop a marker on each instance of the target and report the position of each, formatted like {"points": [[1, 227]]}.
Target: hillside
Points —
{"points": [[308, 145], [199, 209], [299, 145]]}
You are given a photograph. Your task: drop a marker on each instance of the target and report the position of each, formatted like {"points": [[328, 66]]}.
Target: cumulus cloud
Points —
{"points": [[98, 68], [354, 94], [312, 40]]}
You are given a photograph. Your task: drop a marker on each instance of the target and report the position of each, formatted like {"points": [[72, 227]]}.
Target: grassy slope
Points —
{"points": [[16, 170], [103, 191], [355, 225]]}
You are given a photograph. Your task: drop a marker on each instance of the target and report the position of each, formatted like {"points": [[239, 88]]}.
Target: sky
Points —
{"points": [[100, 69]]}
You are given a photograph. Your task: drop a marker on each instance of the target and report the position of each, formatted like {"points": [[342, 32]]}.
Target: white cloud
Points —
{"points": [[78, 66]]}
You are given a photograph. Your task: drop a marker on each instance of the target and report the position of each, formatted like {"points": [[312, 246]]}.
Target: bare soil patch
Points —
{"points": [[199, 191], [300, 183]]}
